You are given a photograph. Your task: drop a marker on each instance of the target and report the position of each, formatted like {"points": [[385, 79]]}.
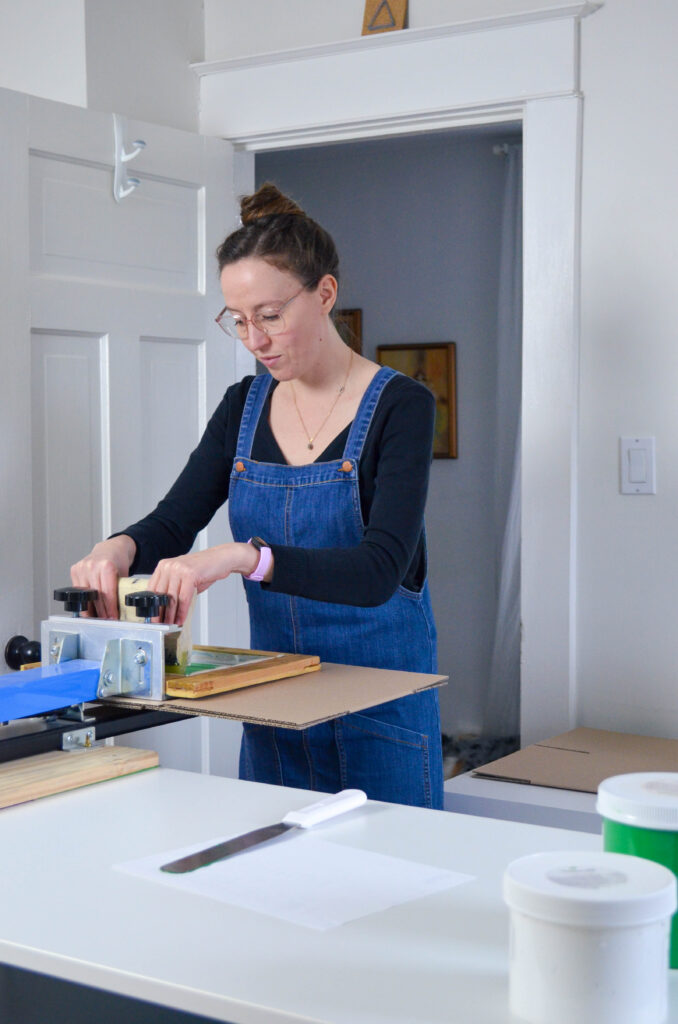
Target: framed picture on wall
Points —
{"points": [[435, 365], [384, 16], [349, 323]]}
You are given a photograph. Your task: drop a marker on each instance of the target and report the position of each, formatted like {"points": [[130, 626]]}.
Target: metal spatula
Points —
{"points": [[304, 817]]}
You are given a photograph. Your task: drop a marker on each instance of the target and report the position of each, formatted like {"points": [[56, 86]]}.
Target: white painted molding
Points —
{"points": [[579, 9], [369, 128], [551, 209], [431, 82]]}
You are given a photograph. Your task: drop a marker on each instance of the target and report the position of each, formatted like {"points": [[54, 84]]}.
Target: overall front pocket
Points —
{"points": [[387, 761]]}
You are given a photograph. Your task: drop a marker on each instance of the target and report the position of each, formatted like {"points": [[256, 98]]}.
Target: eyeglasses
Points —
{"points": [[270, 320]]}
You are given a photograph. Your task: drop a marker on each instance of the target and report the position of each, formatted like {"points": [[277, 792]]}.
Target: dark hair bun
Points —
{"points": [[265, 201], [274, 228]]}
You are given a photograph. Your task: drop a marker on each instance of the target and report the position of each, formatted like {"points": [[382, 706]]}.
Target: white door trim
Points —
{"points": [[527, 71]]}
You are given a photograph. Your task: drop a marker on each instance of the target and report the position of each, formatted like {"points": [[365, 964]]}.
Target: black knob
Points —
{"points": [[75, 599], [20, 651], [147, 603]]}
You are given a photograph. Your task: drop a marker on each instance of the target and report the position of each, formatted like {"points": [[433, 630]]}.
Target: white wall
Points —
{"points": [[128, 56], [416, 222], [42, 49], [138, 59], [628, 550]]}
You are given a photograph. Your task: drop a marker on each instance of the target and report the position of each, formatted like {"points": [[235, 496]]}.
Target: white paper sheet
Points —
{"points": [[303, 879]]}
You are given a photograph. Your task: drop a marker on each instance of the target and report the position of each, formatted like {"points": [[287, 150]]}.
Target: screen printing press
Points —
{"points": [[57, 705], [102, 678]]}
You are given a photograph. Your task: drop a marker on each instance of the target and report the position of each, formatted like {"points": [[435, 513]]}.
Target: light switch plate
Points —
{"points": [[637, 465]]}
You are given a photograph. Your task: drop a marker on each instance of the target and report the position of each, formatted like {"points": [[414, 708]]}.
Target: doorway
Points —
{"points": [[418, 225]]}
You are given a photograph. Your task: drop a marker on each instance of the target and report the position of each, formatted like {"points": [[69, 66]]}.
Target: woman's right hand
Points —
{"points": [[101, 569]]}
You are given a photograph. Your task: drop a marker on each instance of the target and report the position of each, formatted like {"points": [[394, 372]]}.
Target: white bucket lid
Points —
{"points": [[642, 799], [590, 888]]}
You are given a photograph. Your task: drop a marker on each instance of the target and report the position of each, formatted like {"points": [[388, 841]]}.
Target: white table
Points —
{"points": [[66, 913]]}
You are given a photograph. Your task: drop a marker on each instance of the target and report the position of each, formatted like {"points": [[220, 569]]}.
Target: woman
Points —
{"points": [[324, 461]]}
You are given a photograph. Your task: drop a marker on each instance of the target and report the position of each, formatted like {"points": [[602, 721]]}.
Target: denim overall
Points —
{"points": [[392, 751]]}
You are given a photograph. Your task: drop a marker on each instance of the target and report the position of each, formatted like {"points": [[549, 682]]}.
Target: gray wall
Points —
{"points": [[138, 57], [417, 225]]}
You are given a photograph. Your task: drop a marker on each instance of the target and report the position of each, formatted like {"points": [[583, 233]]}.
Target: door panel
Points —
{"points": [[172, 411], [133, 272], [69, 443], [16, 540], [78, 231], [116, 361]]}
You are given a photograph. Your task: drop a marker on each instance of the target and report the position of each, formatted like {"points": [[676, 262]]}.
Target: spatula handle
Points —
{"points": [[329, 807]]}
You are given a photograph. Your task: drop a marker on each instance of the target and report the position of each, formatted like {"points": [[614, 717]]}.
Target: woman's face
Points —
{"points": [[252, 285]]}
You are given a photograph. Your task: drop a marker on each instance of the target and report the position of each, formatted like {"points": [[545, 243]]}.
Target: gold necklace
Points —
{"points": [[339, 394]]}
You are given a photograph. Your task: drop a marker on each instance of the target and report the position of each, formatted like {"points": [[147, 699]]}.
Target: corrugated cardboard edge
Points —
{"points": [[302, 701], [579, 760]]}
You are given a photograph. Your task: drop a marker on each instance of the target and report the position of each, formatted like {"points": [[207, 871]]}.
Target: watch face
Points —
{"points": [[258, 543]]}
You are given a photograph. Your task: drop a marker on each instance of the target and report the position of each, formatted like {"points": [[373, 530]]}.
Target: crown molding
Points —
{"points": [[578, 10]]}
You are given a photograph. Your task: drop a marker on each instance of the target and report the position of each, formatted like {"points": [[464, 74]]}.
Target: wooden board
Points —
{"points": [[234, 677], [30, 778]]}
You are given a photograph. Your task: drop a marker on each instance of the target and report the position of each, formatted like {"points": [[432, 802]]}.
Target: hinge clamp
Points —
{"points": [[78, 739]]}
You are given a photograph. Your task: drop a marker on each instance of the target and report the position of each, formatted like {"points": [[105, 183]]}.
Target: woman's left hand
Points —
{"points": [[183, 577]]}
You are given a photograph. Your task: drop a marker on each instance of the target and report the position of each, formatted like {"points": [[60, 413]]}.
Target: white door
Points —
{"points": [[119, 361]]}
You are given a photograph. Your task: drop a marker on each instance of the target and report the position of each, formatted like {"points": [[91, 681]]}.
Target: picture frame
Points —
{"points": [[349, 323], [384, 16], [435, 365]]}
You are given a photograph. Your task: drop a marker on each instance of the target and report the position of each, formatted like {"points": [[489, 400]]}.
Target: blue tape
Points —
{"points": [[38, 690]]}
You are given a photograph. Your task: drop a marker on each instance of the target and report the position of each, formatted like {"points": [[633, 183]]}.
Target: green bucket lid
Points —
{"points": [[641, 799]]}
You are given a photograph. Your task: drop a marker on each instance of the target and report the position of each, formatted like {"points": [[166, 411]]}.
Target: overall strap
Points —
{"points": [[363, 418], [254, 403]]}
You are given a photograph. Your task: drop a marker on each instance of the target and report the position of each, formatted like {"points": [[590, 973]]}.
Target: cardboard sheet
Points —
{"points": [[304, 700], [303, 879], [582, 758]]}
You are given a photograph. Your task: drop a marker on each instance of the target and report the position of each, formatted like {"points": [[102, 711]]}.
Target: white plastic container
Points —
{"points": [[589, 938]]}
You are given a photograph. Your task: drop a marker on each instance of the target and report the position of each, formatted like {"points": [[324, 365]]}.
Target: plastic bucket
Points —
{"points": [[640, 817], [589, 938]]}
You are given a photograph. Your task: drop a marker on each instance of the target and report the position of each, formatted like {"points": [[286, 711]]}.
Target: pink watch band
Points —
{"points": [[265, 559]]}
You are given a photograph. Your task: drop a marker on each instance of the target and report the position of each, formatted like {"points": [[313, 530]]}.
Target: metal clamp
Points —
{"points": [[76, 713], [126, 668], [130, 655], [78, 739], [62, 647]]}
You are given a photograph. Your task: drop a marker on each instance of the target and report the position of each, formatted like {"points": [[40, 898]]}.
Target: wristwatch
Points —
{"points": [[265, 559]]}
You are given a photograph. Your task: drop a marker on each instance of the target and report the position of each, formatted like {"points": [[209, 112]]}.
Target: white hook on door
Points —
{"points": [[123, 184], [138, 144], [123, 191]]}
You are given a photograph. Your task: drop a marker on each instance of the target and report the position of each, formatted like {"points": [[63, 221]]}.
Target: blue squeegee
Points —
{"points": [[36, 691]]}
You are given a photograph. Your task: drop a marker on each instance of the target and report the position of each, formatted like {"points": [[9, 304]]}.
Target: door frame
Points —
{"points": [[522, 69]]}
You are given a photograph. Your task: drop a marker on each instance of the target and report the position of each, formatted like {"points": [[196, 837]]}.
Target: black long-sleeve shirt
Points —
{"points": [[393, 480]]}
